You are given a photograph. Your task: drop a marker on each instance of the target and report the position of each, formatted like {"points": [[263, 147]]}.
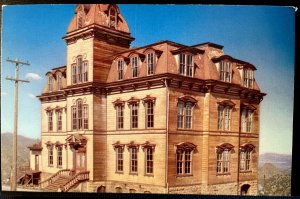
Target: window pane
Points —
{"points": [[120, 69], [180, 115], [220, 117], [134, 116], [179, 161], [150, 63], [85, 71], [85, 117], [182, 64], [79, 66], [149, 115], [119, 159], [79, 114], [120, 117], [149, 161], [133, 166], [188, 115], [74, 118]]}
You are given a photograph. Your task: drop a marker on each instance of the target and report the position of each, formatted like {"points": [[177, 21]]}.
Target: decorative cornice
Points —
{"points": [[133, 100], [148, 98], [186, 146], [118, 102]]}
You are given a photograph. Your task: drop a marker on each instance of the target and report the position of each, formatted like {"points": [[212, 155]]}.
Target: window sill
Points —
{"points": [[183, 175], [119, 172], [250, 171], [223, 174], [133, 174], [149, 174]]}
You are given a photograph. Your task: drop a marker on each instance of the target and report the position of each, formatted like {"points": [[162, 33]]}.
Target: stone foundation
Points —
{"points": [[110, 187]]}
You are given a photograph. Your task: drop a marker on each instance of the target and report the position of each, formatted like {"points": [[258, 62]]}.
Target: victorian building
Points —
{"points": [[162, 118]]}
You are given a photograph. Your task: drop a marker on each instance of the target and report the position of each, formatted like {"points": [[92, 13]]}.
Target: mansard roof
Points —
{"points": [[98, 14]]}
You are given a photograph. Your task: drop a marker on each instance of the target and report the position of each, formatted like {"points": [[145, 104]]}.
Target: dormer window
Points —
{"points": [[225, 71], [50, 84], [134, 66], [112, 17], [150, 63], [120, 69], [186, 64], [248, 78], [79, 19], [59, 81]]}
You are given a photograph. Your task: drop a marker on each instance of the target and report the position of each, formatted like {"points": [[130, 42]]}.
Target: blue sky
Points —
{"points": [[261, 35]]}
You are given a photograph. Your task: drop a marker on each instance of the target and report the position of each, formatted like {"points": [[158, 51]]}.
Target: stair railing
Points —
{"points": [[79, 177], [48, 181]]}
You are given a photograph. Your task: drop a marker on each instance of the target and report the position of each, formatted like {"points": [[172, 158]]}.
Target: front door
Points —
{"points": [[36, 160], [80, 161]]}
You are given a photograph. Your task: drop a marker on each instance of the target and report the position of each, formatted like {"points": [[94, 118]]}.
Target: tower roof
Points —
{"points": [[100, 14]]}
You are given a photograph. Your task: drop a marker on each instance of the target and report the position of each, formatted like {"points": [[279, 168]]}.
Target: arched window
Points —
{"points": [[185, 112], [247, 111], [184, 158], [80, 116], [223, 158], [224, 115], [119, 148], [112, 17], [118, 190], [79, 20], [245, 157], [134, 66], [79, 71]]}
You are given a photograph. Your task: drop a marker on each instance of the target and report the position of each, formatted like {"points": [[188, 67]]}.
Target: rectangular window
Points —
{"points": [[184, 161], [182, 64], [119, 159], [187, 163], [133, 160], [74, 74], [246, 120], [180, 115], [50, 121], [249, 121], [50, 84], [179, 156], [149, 115], [59, 82], [245, 158], [248, 78], [223, 161], [220, 117], [85, 117], [149, 161], [79, 66], [79, 115], [74, 118], [85, 71], [227, 119], [224, 118], [59, 156], [134, 116], [59, 120], [120, 117], [120, 69], [50, 156], [190, 66], [150, 63], [225, 71], [134, 66], [188, 115]]}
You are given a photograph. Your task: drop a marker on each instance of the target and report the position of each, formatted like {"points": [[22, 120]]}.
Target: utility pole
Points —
{"points": [[16, 81]]}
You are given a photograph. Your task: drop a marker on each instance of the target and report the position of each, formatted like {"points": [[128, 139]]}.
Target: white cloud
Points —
{"points": [[31, 95], [3, 93], [33, 76]]}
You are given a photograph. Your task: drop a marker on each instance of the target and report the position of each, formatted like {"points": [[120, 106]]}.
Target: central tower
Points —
{"points": [[95, 34]]}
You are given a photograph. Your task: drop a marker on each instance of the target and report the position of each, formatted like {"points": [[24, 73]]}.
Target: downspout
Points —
{"points": [[167, 133], [238, 163]]}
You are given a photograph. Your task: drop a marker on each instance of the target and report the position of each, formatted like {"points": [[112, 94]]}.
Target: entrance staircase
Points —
{"points": [[63, 181]]}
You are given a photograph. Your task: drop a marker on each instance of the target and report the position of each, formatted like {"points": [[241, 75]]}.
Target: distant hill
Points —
{"points": [[274, 182], [280, 161], [6, 152]]}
